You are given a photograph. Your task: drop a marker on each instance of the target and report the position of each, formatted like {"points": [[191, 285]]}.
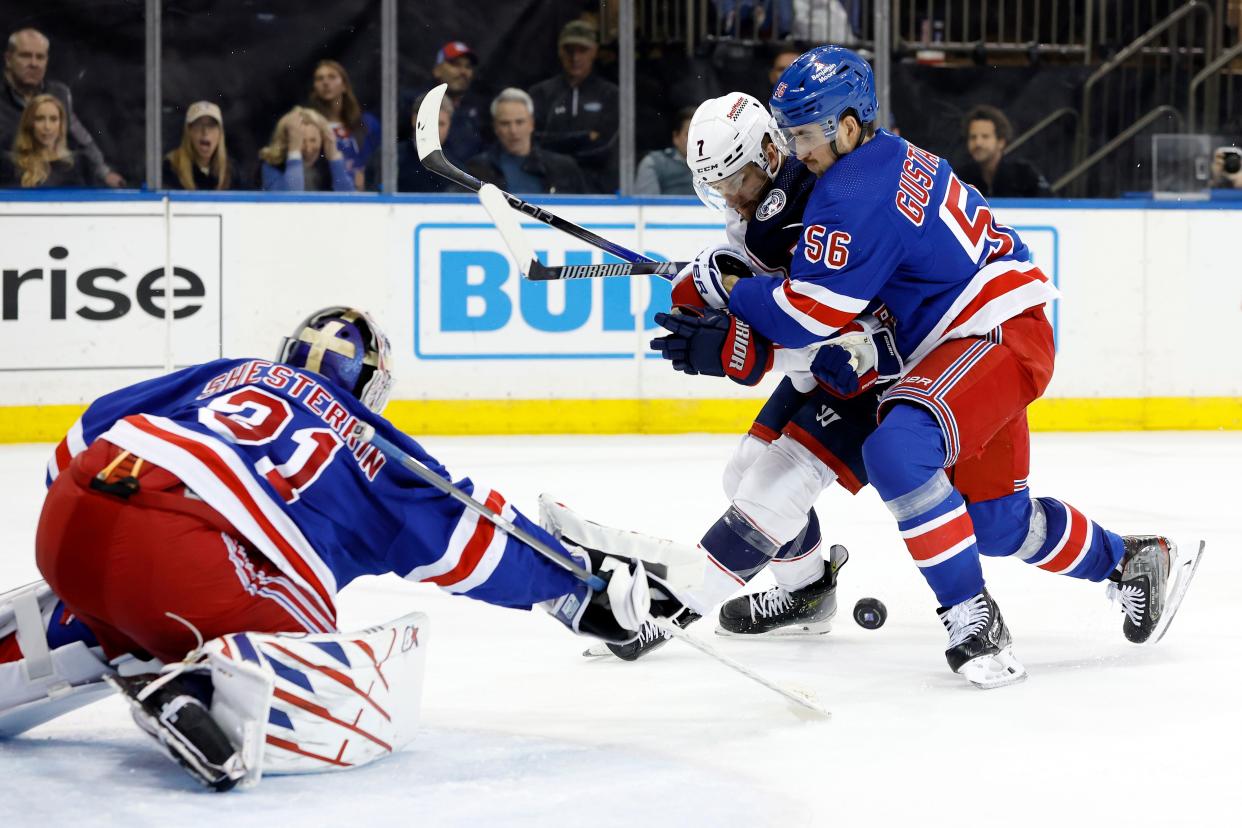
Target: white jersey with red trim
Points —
{"points": [[892, 222], [269, 447]]}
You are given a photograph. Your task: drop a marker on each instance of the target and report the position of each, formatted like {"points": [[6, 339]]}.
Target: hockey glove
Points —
{"points": [[704, 283], [714, 343], [617, 613], [863, 353]]}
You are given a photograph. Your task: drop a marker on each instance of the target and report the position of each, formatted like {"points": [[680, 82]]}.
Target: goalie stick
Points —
{"points": [[427, 141], [805, 703]]}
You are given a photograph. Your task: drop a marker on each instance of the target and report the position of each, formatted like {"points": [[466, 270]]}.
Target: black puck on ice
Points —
{"points": [[870, 613]]}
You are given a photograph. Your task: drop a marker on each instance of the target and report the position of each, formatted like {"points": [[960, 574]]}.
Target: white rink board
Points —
{"points": [[1152, 296]]}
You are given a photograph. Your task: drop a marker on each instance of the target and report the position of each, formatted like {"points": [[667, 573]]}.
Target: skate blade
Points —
{"points": [[790, 631], [597, 651], [992, 671], [1185, 570]]}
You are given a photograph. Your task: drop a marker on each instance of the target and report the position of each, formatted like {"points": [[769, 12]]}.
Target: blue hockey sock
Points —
{"points": [[905, 458], [1063, 541]]}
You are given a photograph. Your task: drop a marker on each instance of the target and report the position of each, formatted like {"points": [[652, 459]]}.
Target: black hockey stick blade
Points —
{"points": [[540, 272]]}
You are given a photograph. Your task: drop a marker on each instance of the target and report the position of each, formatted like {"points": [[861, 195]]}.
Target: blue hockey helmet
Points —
{"points": [[818, 89], [346, 346]]}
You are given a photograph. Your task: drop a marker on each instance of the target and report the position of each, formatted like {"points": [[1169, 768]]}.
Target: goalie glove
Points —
{"points": [[714, 343], [616, 614], [702, 282], [863, 353]]}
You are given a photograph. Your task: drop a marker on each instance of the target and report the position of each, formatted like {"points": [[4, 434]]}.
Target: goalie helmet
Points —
{"points": [[346, 346], [726, 135]]}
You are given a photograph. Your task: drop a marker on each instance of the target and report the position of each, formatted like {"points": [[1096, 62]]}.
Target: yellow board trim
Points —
{"points": [[48, 423]]}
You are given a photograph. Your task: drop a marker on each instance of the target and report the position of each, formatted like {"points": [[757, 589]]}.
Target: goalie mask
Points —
{"points": [[346, 346]]}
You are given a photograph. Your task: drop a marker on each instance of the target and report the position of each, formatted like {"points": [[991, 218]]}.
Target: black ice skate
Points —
{"points": [[781, 612], [1140, 582], [980, 647], [173, 713], [650, 637]]}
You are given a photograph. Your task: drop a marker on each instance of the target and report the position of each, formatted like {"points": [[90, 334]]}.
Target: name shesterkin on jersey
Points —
{"points": [[891, 221], [312, 395]]}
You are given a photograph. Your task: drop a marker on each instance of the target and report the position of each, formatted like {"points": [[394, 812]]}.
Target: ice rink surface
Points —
{"points": [[520, 729]]}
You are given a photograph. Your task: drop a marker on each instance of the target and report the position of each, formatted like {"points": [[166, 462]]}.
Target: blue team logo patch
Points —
{"points": [[773, 204]]}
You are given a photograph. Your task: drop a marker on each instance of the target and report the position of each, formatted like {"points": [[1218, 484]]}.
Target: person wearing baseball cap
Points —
{"points": [[455, 65], [576, 112], [201, 161]]}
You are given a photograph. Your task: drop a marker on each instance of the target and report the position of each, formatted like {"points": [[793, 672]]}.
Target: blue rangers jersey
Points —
{"points": [[892, 222], [270, 448]]}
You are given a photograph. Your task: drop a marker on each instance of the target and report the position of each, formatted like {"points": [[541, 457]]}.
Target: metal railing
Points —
{"points": [[1211, 72], [1044, 123], [1115, 144]]}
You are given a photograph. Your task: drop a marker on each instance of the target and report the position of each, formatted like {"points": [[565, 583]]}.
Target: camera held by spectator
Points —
{"points": [[1227, 168]]}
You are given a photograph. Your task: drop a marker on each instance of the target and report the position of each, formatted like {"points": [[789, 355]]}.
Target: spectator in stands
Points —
{"points": [[25, 70], [576, 111], [355, 133], [303, 155], [987, 132], [41, 156], [665, 172], [780, 62], [455, 65], [515, 163], [201, 161], [1227, 168], [412, 176]]}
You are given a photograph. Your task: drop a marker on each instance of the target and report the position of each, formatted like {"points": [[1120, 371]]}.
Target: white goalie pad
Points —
{"points": [[684, 563], [45, 683], [316, 703]]}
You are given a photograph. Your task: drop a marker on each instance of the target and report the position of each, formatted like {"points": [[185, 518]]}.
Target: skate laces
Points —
{"points": [[648, 633], [769, 603], [1132, 598], [965, 619]]}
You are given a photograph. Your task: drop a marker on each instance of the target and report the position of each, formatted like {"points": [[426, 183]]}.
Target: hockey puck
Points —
{"points": [[870, 613]]}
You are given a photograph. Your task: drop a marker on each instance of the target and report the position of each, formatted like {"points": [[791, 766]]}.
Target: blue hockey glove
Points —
{"points": [[714, 343]]}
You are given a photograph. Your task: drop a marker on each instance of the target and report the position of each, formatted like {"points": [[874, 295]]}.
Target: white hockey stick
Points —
{"points": [[803, 701]]}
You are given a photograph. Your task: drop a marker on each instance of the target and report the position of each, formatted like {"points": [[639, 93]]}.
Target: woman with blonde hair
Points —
{"points": [[303, 155], [201, 161], [357, 133], [41, 156]]}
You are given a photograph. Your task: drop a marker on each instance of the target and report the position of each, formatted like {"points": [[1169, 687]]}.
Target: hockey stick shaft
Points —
{"points": [[543, 273], [802, 700], [367, 433], [430, 153]]}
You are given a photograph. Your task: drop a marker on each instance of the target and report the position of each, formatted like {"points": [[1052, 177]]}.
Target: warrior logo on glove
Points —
{"points": [[714, 343]]}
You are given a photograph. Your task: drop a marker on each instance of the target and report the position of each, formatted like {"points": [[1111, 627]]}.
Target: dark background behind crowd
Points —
{"points": [[255, 60]]}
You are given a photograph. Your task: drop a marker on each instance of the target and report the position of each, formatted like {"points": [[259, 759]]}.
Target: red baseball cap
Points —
{"points": [[455, 49]]}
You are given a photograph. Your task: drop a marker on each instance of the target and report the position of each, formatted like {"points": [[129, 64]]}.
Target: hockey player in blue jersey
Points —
{"points": [[804, 438], [234, 497], [891, 222]]}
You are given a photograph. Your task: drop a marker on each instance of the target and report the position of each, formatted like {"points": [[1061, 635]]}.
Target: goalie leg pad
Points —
{"points": [[59, 669], [315, 703]]}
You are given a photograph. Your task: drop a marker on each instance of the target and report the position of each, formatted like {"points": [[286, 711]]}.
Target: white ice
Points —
{"points": [[521, 730]]}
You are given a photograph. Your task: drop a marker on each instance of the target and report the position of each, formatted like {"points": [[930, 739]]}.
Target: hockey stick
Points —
{"points": [[427, 141], [495, 202], [367, 434], [803, 701]]}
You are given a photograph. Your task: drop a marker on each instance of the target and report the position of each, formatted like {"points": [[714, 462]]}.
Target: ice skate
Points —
{"points": [[1141, 585], [980, 647], [779, 612], [170, 710], [650, 637]]}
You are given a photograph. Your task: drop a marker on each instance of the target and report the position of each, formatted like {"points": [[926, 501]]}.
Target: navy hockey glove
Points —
{"points": [[714, 343], [863, 353]]}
